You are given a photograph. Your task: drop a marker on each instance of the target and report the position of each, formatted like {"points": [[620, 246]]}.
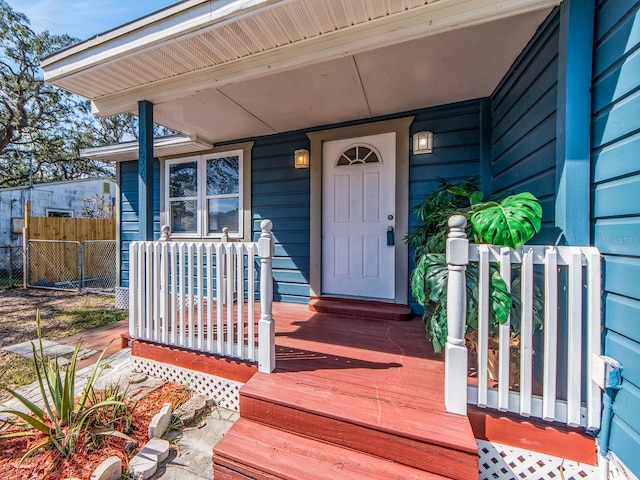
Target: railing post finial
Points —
{"points": [[164, 233], [266, 226], [457, 224], [455, 379]]}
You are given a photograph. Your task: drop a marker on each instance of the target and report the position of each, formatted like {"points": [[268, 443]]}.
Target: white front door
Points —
{"points": [[358, 207]]}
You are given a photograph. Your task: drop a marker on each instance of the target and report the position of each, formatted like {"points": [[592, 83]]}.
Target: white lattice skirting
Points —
{"points": [[504, 462], [223, 391], [122, 298]]}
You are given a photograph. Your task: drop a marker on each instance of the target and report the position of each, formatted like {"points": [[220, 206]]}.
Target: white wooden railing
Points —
{"points": [[202, 296], [570, 336]]}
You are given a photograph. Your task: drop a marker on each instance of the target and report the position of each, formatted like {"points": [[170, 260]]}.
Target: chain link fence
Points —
{"points": [[99, 266], [11, 267], [69, 265]]}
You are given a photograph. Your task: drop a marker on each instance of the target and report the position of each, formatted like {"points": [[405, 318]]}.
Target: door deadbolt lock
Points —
{"points": [[390, 236]]}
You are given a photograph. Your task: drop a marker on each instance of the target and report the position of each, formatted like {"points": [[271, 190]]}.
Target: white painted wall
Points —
{"points": [[58, 195]]}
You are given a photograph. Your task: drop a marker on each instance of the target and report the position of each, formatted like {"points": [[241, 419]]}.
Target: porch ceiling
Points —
{"points": [[233, 69]]}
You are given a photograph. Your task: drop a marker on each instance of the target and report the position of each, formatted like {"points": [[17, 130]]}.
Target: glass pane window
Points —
{"points": [[358, 155], [223, 194], [223, 212], [184, 216], [223, 176], [204, 194], [183, 180]]}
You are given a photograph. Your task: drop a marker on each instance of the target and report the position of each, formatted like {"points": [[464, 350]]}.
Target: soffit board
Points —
{"points": [[200, 37]]}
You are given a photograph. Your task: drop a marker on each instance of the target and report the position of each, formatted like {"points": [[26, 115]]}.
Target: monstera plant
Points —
{"points": [[510, 222]]}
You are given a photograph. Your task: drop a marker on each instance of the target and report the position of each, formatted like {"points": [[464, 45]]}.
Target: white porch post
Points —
{"points": [[455, 351], [266, 327]]}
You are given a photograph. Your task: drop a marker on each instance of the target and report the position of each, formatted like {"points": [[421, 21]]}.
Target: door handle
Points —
{"points": [[390, 236]]}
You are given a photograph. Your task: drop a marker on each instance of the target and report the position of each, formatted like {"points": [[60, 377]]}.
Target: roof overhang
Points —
{"points": [[162, 147], [197, 46]]}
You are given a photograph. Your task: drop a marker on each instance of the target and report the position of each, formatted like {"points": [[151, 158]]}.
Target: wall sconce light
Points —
{"points": [[301, 159], [423, 142]]}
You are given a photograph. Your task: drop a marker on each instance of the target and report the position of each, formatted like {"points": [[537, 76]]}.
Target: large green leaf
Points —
{"points": [[500, 302], [436, 325], [511, 222], [516, 309], [37, 411], [31, 421], [429, 284]]}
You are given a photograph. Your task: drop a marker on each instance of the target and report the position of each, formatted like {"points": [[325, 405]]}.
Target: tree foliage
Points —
{"points": [[43, 128]]}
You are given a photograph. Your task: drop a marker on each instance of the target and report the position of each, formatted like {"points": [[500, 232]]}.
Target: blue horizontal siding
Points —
{"points": [[617, 198], [455, 157], [281, 194], [523, 111], [129, 227], [624, 442], [616, 83], [623, 316], [615, 179], [617, 121], [617, 160], [620, 39], [610, 13], [627, 401], [621, 274], [627, 352], [517, 173]]}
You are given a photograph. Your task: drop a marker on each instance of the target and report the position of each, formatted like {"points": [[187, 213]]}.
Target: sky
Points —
{"points": [[84, 19]]}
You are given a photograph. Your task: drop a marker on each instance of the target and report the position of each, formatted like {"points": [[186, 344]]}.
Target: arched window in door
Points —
{"points": [[358, 154]]}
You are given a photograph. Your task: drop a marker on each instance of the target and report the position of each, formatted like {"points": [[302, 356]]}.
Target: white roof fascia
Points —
{"points": [[433, 18], [162, 146], [178, 20]]}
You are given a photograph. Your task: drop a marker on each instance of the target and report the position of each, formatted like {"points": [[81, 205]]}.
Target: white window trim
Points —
{"points": [[47, 211], [243, 151], [198, 160]]}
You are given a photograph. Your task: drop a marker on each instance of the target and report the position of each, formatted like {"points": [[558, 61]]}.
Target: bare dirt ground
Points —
{"points": [[62, 314]]}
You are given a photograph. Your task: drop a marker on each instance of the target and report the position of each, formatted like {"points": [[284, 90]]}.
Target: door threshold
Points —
{"points": [[359, 307]]}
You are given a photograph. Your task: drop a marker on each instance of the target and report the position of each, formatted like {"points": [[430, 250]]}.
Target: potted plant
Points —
{"points": [[510, 222]]}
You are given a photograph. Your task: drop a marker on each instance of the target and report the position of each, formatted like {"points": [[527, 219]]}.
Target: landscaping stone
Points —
{"points": [[191, 410], [158, 447], [143, 465], [192, 460], [137, 377], [140, 390], [160, 421], [110, 469]]}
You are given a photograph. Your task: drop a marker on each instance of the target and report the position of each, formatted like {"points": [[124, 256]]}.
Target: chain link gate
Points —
{"points": [[70, 265], [55, 264], [99, 266]]}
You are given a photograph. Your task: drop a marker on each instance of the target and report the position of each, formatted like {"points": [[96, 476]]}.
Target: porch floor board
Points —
{"points": [[361, 385], [294, 456]]}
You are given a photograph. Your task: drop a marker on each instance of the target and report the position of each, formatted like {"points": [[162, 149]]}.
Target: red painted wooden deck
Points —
{"points": [[356, 398], [351, 398]]}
